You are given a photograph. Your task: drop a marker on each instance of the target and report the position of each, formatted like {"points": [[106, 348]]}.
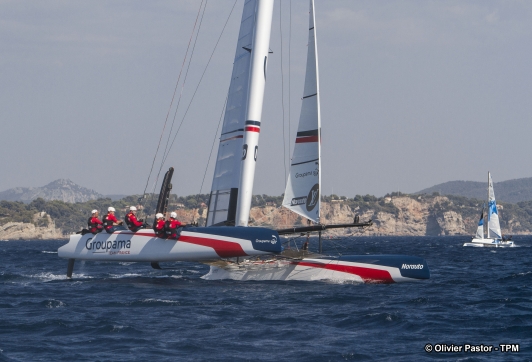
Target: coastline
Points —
{"points": [[402, 215]]}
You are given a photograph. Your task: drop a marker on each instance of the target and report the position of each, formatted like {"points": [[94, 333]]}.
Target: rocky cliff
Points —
{"points": [[43, 227], [413, 216]]}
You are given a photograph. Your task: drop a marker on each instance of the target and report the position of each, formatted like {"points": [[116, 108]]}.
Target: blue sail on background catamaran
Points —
{"points": [[493, 236]]}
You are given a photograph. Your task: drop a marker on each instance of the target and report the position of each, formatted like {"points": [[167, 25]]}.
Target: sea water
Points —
{"points": [[476, 297]]}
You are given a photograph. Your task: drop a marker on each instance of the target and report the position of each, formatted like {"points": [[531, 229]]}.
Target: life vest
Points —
{"points": [[106, 221], [94, 227], [128, 221], [160, 232], [168, 229]]}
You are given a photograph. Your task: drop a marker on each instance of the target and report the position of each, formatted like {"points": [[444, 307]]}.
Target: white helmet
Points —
{"points": [[110, 208], [173, 215], [132, 208], [159, 216], [94, 211]]}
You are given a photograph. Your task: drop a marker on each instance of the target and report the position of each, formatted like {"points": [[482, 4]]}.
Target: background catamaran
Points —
{"points": [[494, 235], [227, 240]]}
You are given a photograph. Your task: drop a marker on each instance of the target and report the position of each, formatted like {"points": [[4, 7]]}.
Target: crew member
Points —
{"points": [[172, 225], [95, 224], [158, 226], [110, 221], [131, 220]]}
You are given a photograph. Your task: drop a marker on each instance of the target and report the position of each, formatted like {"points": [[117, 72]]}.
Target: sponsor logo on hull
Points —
{"points": [[273, 240], [108, 246]]}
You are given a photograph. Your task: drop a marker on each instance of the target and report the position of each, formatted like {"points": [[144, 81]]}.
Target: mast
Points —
{"points": [[257, 82], [488, 213]]}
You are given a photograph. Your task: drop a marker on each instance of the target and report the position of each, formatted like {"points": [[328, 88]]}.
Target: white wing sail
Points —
{"points": [[224, 191], [494, 226], [302, 194]]}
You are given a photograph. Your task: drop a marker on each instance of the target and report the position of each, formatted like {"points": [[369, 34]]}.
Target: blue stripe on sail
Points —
{"points": [[495, 232]]}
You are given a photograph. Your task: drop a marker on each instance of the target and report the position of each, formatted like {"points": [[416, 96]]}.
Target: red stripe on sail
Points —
{"points": [[367, 274], [225, 249], [307, 139], [253, 129]]}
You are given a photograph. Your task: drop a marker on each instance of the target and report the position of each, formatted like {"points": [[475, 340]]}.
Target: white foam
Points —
{"points": [[48, 252], [55, 304], [127, 275], [47, 277], [150, 300]]}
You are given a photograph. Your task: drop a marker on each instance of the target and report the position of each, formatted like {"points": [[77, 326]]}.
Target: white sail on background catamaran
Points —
{"points": [[494, 237], [226, 242]]}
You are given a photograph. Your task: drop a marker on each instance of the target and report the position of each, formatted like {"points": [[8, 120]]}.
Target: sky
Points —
{"points": [[413, 93]]}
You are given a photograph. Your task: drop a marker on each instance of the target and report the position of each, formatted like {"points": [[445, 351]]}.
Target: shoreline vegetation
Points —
{"points": [[393, 214]]}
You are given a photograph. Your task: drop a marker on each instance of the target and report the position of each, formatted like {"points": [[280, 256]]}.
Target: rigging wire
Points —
{"points": [[173, 97], [168, 148], [197, 87], [184, 80], [214, 142], [212, 148], [178, 103]]}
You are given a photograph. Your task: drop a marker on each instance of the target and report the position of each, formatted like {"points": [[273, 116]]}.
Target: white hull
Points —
{"points": [[490, 243], [318, 269], [145, 246]]}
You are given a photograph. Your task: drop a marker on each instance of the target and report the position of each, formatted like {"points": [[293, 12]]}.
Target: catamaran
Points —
{"points": [[494, 236], [226, 242]]}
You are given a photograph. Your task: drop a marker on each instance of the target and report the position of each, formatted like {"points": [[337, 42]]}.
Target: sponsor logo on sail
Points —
{"points": [[313, 197], [307, 173], [298, 201], [412, 266]]}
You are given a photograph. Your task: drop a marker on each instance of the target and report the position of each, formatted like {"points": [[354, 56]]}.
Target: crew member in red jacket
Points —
{"points": [[172, 225], [95, 224], [131, 220], [158, 226], [110, 221]]}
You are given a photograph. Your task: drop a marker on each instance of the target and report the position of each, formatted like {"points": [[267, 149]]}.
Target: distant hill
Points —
{"points": [[116, 197], [512, 191], [62, 189]]}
